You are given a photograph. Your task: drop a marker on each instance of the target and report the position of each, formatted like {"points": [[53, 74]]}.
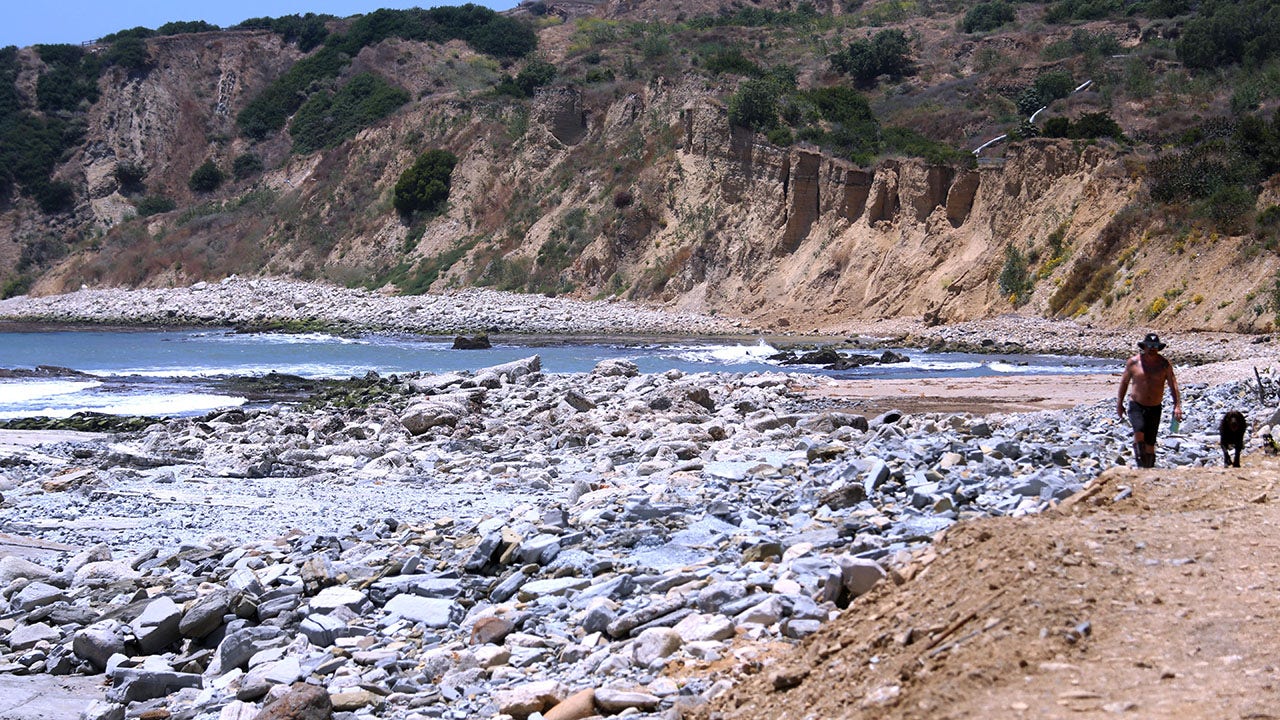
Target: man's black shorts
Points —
{"points": [[1146, 420]]}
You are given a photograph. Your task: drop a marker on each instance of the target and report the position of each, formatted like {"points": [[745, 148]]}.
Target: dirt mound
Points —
{"points": [[1148, 594]]}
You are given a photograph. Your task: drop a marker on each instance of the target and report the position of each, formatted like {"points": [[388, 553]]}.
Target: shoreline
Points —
{"points": [[290, 305], [235, 304], [720, 511]]}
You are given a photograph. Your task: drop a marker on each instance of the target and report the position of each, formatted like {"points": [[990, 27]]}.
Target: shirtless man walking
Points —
{"points": [[1149, 372]]}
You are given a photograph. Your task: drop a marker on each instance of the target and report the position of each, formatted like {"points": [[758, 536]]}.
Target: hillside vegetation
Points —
{"points": [[805, 165]]}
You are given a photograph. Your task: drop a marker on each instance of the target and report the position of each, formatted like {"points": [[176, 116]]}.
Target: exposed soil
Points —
{"points": [[1149, 594], [1010, 394], [980, 396]]}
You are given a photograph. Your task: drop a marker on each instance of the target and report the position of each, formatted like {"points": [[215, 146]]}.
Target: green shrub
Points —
{"points": [[1096, 125], [1065, 11], [1166, 8], [10, 101], [755, 105], [887, 53], [271, 108], [911, 143], [16, 286], [328, 119], [1227, 33], [1090, 126], [139, 32], [129, 53], [781, 137], [502, 37], [185, 27], [41, 252], [1025, 130], [72, 78], [54, 196], [1083, 42], [731, 61], [206, 178], [1014, 281], [424, 187], [483, 29], [307, 31], [154, 204], [534, 75], [1054, 85], [30, 147], [246, 165], [1029, 101], [987, 16], [1186, 175], [1057, 127], [1231, 208], [1269, 218], [757, 17], [851, 127], [1259, 140]]}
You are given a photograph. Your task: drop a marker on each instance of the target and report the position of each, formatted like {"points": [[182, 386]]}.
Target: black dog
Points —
{"points": [[1231, 436]]}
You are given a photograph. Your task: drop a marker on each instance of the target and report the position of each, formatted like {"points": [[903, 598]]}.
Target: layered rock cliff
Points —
{"points": [[637, 188]]}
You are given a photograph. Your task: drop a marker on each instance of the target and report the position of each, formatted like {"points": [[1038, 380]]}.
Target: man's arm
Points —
{"points": [[1124, 387], [1177, 394]]}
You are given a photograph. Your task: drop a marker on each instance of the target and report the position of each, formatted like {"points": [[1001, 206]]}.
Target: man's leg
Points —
{"points": [[1139, 457], [1151, 423]]}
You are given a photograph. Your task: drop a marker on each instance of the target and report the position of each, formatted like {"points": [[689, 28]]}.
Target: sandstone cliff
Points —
{"points": [[637, 188]]}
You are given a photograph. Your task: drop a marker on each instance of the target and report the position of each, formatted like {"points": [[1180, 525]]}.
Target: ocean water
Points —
{"points": [[172, 372]]}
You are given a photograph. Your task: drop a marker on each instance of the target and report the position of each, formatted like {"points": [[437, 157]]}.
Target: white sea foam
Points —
{"points": [[309, 370], [25, 391], [728, 354], [942, 366], [296, 339], [153, 405]]}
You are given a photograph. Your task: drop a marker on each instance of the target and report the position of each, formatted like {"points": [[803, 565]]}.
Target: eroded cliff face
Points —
{"points": [[801, 241], [175, 116], [644, 190], [806, 240]]}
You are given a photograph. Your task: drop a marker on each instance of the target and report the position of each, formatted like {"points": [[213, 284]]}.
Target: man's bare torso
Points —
{"points": [[1147, 379]]}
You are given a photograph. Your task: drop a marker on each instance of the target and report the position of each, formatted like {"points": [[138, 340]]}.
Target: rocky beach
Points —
{"points": [[513, 543]]}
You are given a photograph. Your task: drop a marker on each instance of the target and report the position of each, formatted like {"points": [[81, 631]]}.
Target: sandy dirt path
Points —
{"points": [[1018, 393], [1151, 594]]}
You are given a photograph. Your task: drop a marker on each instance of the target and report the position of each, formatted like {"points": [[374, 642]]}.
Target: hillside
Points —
{"points": [[800, 166]]}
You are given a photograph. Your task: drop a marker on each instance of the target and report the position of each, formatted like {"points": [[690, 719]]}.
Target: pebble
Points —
{"points": [[280, 302], [534, 551]]}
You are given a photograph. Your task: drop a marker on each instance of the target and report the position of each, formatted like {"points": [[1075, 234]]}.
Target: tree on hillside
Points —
{"points": [[887, 53], [1226, 33], [129, 53], [206, 178], [755, 105], [246, 165], [184, 27], [987, 16], [424, 187]]}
